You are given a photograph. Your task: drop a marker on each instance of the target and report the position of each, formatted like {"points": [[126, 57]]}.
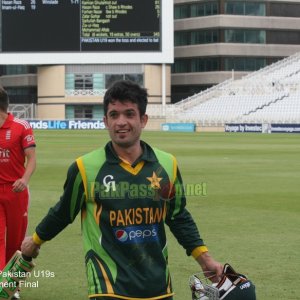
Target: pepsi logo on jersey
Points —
{"points": [[137, 234]]}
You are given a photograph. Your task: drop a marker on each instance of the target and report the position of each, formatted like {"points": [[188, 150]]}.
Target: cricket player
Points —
{"points": [[125, 192], [17, 164]]}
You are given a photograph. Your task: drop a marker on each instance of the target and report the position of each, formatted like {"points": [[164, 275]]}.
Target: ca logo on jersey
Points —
{"points": [[109, 183]]}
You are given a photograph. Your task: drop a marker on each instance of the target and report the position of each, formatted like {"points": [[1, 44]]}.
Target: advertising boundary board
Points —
{"points": [[285, 128], [67, 124], [262, 128], [178, 127]]}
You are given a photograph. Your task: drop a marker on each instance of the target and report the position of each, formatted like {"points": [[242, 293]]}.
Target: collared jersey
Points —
{"points": [[123, 217], [15, 136]]}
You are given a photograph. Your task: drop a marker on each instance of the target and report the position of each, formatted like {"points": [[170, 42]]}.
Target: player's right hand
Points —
{"points": [[29, 247]]}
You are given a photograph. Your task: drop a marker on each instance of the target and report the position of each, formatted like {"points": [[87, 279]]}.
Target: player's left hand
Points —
{"points": [[212, 269]]}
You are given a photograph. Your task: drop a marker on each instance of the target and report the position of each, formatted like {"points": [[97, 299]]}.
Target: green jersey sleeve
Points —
{"points": [[180, 221], [66, 209]]}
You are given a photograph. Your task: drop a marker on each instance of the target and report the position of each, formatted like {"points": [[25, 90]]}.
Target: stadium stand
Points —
{"points": [[270, 95]]}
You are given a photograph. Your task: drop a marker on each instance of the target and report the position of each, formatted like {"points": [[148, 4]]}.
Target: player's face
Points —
{"points": [[124, 123]]}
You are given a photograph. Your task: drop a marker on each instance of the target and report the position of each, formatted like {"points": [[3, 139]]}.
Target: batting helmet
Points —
{"points": [[232, 286]]}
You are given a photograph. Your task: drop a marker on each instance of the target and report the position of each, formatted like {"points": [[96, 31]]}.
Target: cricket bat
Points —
{"points": [[17, 269]]}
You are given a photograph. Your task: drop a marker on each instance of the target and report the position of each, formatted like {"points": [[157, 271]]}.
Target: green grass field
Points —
{"points": [[250, 216]]}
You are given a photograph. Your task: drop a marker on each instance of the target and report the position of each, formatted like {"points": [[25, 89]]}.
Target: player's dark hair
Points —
{"points": [[4, 100], [126, 90]]}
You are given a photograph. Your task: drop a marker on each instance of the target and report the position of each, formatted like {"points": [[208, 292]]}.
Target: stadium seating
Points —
{"points": [[270, 95]]}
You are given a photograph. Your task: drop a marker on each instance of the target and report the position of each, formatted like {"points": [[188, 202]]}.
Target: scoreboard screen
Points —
{"points": [[80, 31]]}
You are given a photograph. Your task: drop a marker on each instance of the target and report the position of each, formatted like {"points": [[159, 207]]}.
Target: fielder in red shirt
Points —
{"points": [[17, 163]]}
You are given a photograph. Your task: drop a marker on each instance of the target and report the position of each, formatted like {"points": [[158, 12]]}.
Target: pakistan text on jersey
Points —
{"points": [[137, 216]]}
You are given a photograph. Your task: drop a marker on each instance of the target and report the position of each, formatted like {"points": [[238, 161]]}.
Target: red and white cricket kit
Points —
{"points": [[15, 136]]}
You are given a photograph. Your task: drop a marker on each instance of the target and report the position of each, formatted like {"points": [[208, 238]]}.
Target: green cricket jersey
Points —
{"points": [[123, 209]]}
